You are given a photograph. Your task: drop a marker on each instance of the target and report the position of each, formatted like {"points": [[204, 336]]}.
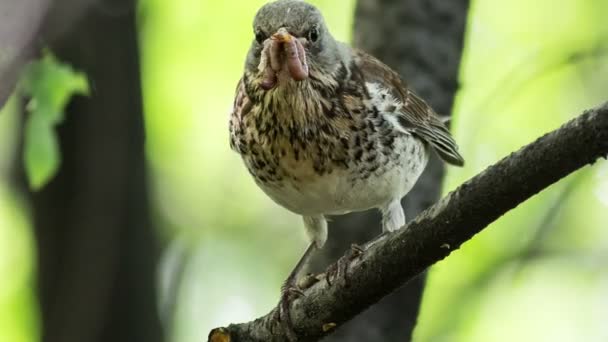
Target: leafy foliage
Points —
{"points": [[49, 84]]}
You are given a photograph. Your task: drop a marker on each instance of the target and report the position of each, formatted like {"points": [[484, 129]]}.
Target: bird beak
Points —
{"points": [[282, 36]]}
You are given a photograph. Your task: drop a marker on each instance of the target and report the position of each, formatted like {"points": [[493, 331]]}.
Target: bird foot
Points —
{"points": [[356, 251], [309, 280], [289, 292], [340, 268]]}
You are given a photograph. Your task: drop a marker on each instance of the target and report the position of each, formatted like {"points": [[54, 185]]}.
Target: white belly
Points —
{"points": [[344, 190]]}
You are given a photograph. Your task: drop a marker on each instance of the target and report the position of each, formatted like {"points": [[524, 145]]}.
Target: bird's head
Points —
{"points": [[290, 40]]}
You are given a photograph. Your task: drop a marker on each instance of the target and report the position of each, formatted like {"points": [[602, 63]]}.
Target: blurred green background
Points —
{"points": [[538, 274]]}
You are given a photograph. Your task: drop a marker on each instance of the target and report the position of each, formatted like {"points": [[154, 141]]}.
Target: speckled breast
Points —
{"points": [[368, 168]]}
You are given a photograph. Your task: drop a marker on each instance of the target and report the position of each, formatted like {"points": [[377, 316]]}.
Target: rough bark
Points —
{"points": [[423, 41], [436, 232], [97, 250]]}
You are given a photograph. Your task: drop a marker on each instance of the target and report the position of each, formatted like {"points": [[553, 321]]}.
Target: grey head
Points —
{"points": [[304, 22]]}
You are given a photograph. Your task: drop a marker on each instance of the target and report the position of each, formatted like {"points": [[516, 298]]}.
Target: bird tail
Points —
{"points": [[442, 142]]}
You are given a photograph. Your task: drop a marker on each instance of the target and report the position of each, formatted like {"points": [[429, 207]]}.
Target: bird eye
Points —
{"points": [[260, 37], [313, 34]]}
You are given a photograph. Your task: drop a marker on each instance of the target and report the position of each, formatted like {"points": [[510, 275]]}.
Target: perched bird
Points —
{"points": [[325, 129]]}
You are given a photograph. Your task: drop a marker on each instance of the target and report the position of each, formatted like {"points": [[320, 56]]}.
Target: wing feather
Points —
{"points": [[415, 115]]}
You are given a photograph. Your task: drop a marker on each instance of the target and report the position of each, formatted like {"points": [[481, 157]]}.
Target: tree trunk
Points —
{"points": [[423, 41], [97, 249], [20, 23]]}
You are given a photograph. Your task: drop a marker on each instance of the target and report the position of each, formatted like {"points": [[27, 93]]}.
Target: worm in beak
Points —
{"points": [[283, 51]]}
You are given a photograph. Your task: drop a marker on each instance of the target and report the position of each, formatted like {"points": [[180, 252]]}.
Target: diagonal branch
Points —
{"points": [[435, 233]]}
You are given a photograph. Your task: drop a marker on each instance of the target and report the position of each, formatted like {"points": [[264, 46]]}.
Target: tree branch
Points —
{"points": [[438, 231]]}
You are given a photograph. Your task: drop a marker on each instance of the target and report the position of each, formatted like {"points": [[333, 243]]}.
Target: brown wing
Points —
{"points": [[241, 107], [415, 116]]}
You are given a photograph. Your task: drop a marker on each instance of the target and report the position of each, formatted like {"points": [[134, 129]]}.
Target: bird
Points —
{"points": [[326, 129]]}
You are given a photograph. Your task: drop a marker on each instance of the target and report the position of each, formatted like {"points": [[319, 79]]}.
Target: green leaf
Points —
{"points": [[49, 84], [41, 151]]}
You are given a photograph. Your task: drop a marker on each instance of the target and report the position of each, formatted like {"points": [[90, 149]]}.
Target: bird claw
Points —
{"points": [[340, 268], [296, 291], [288, 293], [308, 281], [356, 251], [330, 273]]}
